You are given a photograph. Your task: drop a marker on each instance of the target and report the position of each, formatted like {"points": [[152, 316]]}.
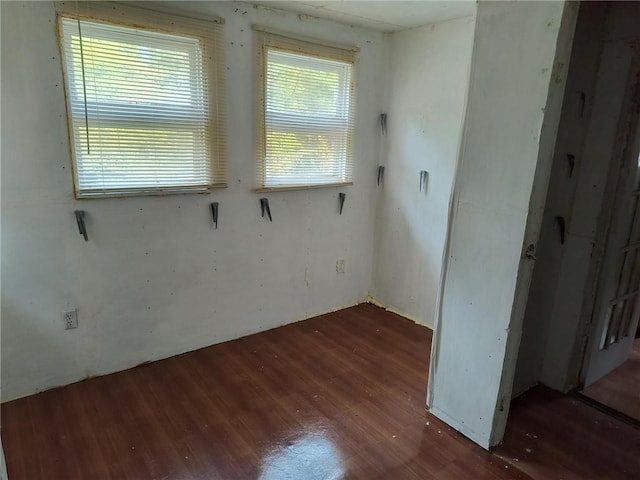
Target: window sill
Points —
{"points": [[300, 187], [151, 192]]}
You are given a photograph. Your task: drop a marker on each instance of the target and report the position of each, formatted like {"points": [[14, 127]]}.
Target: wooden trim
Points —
{"points": [[300, 187]]}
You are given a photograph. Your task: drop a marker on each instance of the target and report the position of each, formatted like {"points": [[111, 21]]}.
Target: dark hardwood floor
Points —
{"points": [[554, 436], [337, 396], [620, 389]]}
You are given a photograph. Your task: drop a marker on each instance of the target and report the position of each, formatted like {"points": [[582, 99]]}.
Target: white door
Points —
{"points": [[617, 305]]}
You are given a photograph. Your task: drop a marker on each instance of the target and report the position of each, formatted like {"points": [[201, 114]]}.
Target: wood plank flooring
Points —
{"points": [[620, 389], [334, 397], [555, 436]]}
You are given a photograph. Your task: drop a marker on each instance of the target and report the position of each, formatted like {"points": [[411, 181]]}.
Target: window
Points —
{"points": [[305, 120], [144, 103]]}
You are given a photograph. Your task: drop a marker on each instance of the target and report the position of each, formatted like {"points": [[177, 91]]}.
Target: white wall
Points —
{"points": [[428, 78], [155, 279], [513, 73]]}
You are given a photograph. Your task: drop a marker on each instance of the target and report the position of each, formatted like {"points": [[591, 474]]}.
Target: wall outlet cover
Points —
{"points": [[71, 319]]}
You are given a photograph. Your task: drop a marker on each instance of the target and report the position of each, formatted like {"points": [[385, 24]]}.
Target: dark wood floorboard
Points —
{"points": [[620, 389], [554, 436], [340, 396]]}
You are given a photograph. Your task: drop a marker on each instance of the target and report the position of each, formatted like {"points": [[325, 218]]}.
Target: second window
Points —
{"points": [[306, 102]]}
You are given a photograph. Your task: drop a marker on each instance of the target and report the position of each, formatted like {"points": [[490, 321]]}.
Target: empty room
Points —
{"points": [[319, 240]]}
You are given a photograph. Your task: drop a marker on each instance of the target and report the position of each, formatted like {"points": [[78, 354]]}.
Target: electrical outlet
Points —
{"points": [[71, 319], [340, 266]]}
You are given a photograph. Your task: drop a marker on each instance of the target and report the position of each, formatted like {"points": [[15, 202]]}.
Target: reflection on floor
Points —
{"points": [[620, 390], [340, 396]]}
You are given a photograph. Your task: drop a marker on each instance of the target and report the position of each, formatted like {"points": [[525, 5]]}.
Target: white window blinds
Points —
{"points": [[144, 106], [306, 104]]}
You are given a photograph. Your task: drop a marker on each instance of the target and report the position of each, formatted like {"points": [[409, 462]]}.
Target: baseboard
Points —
{"points": [[374, 301]]}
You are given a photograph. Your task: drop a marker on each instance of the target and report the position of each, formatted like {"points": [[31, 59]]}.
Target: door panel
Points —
{"points": [[617, 306]]}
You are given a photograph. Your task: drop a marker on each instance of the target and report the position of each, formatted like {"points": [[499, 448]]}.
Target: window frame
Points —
{"points": [[209, 32], [266, 40]]}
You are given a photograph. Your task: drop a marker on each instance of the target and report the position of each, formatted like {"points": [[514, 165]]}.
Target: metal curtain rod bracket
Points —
{"points": [[383, 123], [424, 177], [571, 160], [264, 208], [81, 226], [561, 226], [341, 197], [214, 213]]}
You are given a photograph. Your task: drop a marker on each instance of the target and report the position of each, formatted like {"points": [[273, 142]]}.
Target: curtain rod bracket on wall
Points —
{"points": [[214, 213], [341, 197], [582, 100], [424, 177], [561, 225], [380, 175], [81, 226], [383, 123], [571, 160], [264, 207]]}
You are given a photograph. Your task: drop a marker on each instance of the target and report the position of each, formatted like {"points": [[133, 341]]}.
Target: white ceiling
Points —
{"points": [[387, 16]]}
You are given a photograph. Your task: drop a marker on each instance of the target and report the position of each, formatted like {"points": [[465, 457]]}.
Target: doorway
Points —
{"points": [[583, 306], [619, 390], [611, 367]]}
